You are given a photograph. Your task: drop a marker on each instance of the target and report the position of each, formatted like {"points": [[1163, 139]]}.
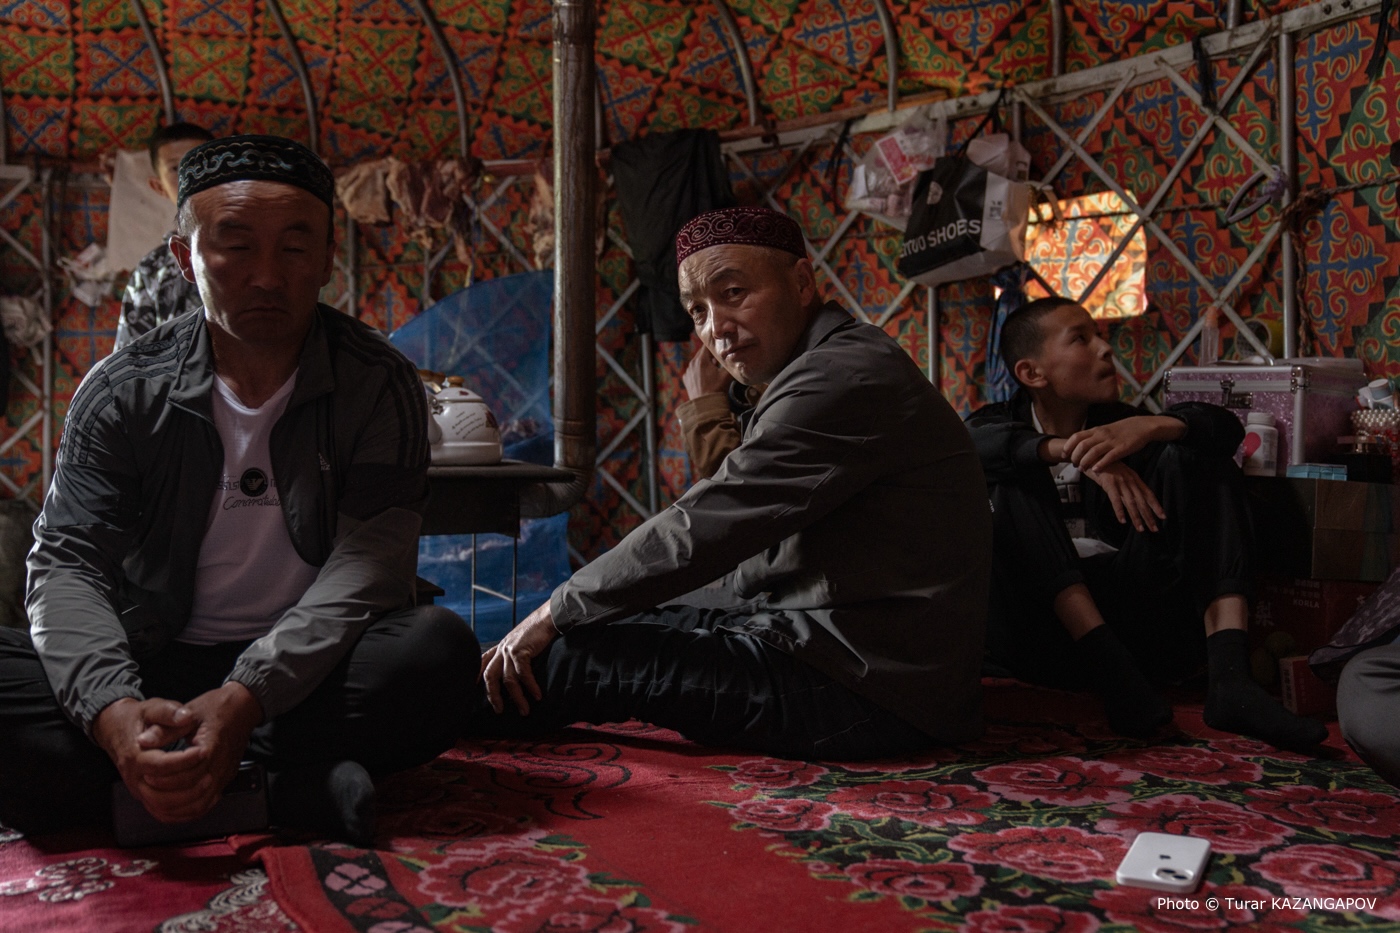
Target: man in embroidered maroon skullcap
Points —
{"points": [[707, 418], [739, 243], [854, 519], [749, 226]]}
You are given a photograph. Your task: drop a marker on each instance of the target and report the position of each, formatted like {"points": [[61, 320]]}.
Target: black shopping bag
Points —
{"points": [[946, 222], [967, 221]]}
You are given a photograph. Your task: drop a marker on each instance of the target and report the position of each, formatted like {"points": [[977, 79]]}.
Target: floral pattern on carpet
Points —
{"points": [[466, 856], [629, 828], [244, 907], [80, 881], [1043, 814]]}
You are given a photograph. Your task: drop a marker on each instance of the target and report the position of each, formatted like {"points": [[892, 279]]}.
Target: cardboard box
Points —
{"points": [[1309, 611], [1303, 691], [1325, 529], [1352, 555], [1341, 505]]}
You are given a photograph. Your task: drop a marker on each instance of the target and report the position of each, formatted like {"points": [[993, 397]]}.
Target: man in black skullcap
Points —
{"points": [[224, 565]]}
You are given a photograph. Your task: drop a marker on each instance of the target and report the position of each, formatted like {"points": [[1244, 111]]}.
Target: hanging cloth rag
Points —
{"points": [[1001, 384], [427, 193], [364, 192], [1205, 73], [540, 225], [663, 181]]}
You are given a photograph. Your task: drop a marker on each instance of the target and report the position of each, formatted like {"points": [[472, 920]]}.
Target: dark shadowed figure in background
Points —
{"points": [[156, 291]]}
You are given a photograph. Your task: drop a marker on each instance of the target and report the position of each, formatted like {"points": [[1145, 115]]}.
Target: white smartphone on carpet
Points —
{"points": [[1165, 863]]}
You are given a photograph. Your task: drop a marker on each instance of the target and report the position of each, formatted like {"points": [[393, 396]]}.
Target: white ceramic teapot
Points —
{"points": [[461, 429]]}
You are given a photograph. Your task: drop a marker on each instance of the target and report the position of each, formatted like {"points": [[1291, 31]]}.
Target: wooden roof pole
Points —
{"points": [[882, 9], [4, 140], [735, 40]]}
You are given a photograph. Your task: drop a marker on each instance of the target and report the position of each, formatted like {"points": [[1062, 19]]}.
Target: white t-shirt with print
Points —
{"points": [[249, 573]]}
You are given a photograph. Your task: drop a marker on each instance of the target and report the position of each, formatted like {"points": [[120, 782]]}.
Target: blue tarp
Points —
{"points": [[495, 335]]}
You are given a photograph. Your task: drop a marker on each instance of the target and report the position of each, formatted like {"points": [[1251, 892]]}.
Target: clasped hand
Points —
{"points": [[1096, 448], [181, 785]]}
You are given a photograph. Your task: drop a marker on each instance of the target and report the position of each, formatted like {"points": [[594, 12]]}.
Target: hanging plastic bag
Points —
{"points": [[969, 212], [882, 183]]}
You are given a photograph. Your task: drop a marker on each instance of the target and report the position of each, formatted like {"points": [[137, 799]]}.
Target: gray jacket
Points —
{"points": [[111, 575], [855, 508]]}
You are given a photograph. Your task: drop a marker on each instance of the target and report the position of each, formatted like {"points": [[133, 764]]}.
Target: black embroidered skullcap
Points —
{"points": [[254, 158], [749, 226]]}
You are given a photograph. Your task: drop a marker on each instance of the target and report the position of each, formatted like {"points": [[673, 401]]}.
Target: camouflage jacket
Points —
{"points": [[155, 293]]}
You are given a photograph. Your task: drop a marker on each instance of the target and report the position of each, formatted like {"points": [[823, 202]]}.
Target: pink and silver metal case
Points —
{"points": [[1311, 399]]}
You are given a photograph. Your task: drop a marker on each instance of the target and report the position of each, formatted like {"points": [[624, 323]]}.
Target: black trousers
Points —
{"points": [[679, 667], [398, 699], [1152, 592]]}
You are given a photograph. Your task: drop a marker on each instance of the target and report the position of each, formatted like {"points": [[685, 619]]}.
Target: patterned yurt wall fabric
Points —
{"points": [[78, 79]]}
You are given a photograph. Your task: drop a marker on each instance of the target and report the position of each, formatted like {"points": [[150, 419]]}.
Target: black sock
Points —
{"points": [[1235, 703], [1134, 708], [336, 799]]}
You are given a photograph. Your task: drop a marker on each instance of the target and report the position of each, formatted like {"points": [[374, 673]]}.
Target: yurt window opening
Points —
{"points": [[1068, 250]]}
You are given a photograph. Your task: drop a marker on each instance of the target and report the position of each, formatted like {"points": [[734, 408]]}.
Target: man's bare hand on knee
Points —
{"points": [[506, 667]]}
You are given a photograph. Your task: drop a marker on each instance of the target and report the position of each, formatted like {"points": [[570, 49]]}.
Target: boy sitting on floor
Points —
{"points": [[1115, 533]]}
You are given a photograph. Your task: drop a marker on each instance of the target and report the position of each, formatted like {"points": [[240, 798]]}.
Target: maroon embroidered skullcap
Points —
{"points": [[750, 226]]}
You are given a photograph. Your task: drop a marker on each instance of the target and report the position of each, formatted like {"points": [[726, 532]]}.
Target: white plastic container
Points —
{"points": [[1260, 445]]}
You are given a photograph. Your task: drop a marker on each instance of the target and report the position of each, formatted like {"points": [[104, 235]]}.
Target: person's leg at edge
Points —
{"points": [[1368, 704], [1069, 645], [398, 700], [674, 667], [1133, 706]]}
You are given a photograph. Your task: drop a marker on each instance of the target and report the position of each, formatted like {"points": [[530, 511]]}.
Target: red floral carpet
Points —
{"points": [[82, 883], [630, 829]]}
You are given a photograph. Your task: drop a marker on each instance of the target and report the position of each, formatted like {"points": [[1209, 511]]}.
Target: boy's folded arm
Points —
{"points": [[1208, 427], [1005, 446]]}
